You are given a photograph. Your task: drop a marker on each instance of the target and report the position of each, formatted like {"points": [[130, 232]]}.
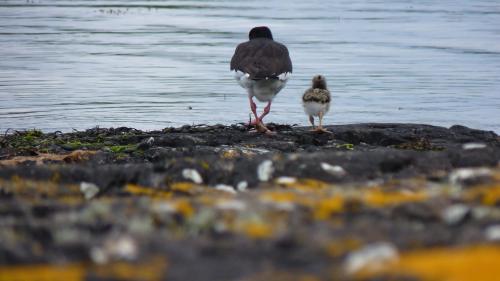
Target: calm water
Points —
{"points": [[76, 64]]}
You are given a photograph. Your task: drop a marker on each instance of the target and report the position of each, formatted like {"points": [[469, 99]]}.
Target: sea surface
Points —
{"points": [[72, 65]]}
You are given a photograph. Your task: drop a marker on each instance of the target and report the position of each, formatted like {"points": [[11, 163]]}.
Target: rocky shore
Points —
{"points": [[367, 202]]}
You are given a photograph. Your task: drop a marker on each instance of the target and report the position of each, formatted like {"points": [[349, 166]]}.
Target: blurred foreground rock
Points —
{"points": [[368, 202]]}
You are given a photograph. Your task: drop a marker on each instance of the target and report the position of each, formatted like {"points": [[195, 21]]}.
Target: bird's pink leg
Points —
{"points": [[266, 111], [253, 107], [259, 126]]}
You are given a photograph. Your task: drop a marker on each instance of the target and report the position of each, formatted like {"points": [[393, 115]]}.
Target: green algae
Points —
{"points": [[419, 145], [347, 146]]}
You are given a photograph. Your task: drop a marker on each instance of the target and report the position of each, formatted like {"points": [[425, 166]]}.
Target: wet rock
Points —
{"points": [[416, 211], [319, 203]]}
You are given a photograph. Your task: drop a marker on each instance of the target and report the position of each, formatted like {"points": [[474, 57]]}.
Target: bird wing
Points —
{"points": [[261, 58]]}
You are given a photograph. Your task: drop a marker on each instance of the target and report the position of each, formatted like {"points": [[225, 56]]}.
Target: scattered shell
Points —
{"points": [[225, 187], [235, 205], [462, 175], [89, 190], [265, 170], [372, 256], [286, 180], [455, 213], [473, 145], [123, 247], [493, 232], [242, 186], [192, 174], [336, 170], [98, 255]]}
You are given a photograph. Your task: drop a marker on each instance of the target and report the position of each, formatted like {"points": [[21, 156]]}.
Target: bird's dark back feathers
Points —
{"points": [[316, 95], [261, 58]]}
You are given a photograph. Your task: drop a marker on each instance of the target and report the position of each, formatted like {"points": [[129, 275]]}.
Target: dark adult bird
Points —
{"points": [[262, 66], [316, 101]]}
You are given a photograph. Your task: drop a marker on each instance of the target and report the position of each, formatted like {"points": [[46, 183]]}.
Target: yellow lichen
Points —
{"points": [[328, 206], [70, 272], [205, 165], [150, 270], [257, 230], [306, 185], [184, 187], [184, 208], [279, 196], [147, 191], [27, 188], [153, 270], [379, 198], [486, 194], [445, 264], [230, 154]]}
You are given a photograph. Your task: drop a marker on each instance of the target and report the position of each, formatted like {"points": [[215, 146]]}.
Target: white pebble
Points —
{"points": [[89, 190], [242, 186], [124, 248], [333, 170], [473, 145], [455, 213], [226, 188], [115, 248], [493, 233], [192, 174], [462, 174], [286, 180], [371, 256], [265, 170]]}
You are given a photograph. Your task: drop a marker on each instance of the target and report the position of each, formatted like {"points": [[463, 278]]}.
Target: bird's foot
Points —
{"points": [[321, 130], [261, 128]]}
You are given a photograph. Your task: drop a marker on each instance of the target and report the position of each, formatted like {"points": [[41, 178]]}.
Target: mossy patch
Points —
{"points": [[122, 148], [422, 144]]}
